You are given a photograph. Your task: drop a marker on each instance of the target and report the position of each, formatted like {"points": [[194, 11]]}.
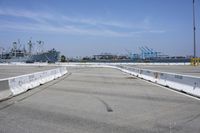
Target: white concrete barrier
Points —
{"points": [[16, 85], [183, 83], [5, 91]]}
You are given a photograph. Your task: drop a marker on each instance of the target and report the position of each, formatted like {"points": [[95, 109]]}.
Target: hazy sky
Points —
{"points": [[87, 27]]}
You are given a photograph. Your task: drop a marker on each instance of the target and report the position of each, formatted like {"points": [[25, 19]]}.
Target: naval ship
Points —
{"points": [[30, 55]]}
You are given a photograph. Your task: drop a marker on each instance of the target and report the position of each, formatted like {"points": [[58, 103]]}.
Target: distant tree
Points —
{"points": [[63, 58]]}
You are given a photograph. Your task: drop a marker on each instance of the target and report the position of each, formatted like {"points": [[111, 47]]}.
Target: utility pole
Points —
{"points": [[194, 29]]}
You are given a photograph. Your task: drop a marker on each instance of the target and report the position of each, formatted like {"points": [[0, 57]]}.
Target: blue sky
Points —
{"points": [[87, 27]]}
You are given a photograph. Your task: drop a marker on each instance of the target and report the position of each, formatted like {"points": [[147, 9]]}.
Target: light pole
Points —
{"points": [[194, 29]]}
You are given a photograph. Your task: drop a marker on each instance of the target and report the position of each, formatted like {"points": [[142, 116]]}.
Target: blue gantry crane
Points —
{"points": [[147, 53]]}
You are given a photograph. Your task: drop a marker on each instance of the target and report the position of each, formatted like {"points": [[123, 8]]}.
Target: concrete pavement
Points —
{"points": [[99, 100]]}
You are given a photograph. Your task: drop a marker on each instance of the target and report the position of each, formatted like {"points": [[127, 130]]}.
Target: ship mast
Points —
{"points": [[30, 47], [14, 49], [40, 48]]}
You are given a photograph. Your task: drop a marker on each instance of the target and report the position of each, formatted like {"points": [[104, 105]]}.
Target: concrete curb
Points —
{"points": [[15, 85]]}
